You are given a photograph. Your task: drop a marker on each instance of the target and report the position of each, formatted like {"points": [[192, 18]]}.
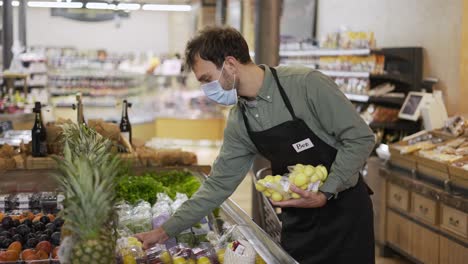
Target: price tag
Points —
{"points": [[5, 126]]}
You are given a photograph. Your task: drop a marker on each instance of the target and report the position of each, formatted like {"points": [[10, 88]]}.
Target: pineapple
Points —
{"points": [[88, 174]]}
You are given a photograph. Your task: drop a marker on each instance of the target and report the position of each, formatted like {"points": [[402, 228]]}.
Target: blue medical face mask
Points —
{"points": [[215, 91]]}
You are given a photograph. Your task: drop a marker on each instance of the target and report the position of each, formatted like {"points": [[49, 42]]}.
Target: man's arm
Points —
{"points": [[339, 118], [234, 161]]}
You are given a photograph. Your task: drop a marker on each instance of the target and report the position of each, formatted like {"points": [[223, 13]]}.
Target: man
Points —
{"points": [[277, 109]]}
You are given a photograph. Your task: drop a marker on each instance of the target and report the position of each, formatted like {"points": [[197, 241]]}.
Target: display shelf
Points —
{"points": [[385, 100], [345, 74], [402, 78], [398, 125], [325, 52], [380, 100]]}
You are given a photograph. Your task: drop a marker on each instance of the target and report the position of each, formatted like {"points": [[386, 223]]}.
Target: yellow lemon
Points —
{"points": [[301, 179], [278, 178], [309, 170], [165, 257], [295, 195], [314, 178], [179, 260], [267, 193], [324, 172], [292, 177], [276, 197], [129, 259], [269, 178], [260, 187], [220, 254], [298, 168], [203, 260]]}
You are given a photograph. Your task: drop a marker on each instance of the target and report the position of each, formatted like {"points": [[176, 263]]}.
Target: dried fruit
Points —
{"points": [[16, 246], [51, 217], [27, 252], [42, 254], [11, 255], [31, 257], [55, 252], [44, 246]]}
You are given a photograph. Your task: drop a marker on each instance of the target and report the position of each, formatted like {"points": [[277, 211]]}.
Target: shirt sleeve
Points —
{"points": [[339, 118], [229, 169]]}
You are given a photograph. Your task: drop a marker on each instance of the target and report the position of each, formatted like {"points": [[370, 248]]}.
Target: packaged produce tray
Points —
{"points": [[268, 249], [230, 212]]}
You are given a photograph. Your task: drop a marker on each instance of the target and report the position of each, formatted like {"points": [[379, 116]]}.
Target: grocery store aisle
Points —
{"points": [[243, 195]]}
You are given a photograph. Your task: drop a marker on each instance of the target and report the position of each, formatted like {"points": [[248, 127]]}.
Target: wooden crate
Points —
{"points": [[131, 158], [459, 176], [405, 161], [432, 168], [33, 163]]}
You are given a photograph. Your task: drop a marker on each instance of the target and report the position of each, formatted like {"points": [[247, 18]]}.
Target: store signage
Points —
{"points": [[88, 15], [303, 145], [5, 126]]}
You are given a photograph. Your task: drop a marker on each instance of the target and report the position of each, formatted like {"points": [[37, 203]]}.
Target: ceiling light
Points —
{"points": [[128, 6], [96, 5], [55, 4], [155, 7]]}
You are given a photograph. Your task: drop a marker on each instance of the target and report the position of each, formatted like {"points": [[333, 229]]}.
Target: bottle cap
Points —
{"points": [[37, 106]]}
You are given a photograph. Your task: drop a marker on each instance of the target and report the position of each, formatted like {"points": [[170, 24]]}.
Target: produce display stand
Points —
{"points": [[267, 216], [23, 180]]}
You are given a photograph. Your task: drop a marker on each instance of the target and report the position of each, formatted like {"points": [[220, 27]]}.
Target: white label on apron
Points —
{"points": [[303, 145]]}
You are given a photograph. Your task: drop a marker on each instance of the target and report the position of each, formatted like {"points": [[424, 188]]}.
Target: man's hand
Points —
{"points": [[307, 200], [149, 239]]}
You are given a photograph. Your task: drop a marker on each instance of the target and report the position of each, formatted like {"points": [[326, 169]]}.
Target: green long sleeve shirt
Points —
{"points": [[317, 100]]}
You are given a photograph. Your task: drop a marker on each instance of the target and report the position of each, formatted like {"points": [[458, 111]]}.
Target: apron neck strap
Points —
{"points": [[283, 93], [246, 122]]}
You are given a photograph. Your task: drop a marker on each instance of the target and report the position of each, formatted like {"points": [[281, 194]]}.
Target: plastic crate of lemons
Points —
{"points": [[306, 177]]}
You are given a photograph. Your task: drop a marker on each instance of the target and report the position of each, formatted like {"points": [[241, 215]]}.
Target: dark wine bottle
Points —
{"points": [[125, 126], [38, 133], [79, 107]]}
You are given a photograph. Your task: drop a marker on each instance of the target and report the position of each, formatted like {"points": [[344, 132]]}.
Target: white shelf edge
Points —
{"points": [[346, 74], [325, 52], [357, 97]]}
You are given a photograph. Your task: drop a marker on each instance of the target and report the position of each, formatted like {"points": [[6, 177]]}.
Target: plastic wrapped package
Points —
{"points": [[305, 177], [158, 255], [179, 200], [275, 187], [205, 254], [162, 211], [138, 219], [240, 251], [130, 251], [201, 230], [182, 253]]}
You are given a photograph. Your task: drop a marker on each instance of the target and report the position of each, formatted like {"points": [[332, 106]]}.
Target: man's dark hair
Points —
{"points": [[215, 44]]}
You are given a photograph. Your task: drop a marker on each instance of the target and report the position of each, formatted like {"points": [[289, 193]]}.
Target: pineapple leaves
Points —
{"points": [[88, 177]]}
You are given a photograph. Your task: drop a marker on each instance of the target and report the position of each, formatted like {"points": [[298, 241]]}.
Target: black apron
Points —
{"points": [[340, 232]]}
